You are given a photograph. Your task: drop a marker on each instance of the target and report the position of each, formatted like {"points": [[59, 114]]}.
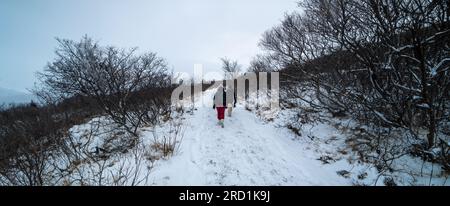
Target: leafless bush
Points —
{"points": [[165, 144], [230, 68], [116, 79], [89, 156], [384, 62], [134, 171], [38, 146], [28, 136], [403, 55]]}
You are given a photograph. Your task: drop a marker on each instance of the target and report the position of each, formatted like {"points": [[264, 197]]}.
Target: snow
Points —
{"points": [[434, 70], [423, 105], [247, 151], [254, 148], [381, 116]]}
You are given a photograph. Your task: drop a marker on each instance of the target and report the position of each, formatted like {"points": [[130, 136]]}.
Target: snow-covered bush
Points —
{"points": [[132, 89], [166, 143], [384, 64]]}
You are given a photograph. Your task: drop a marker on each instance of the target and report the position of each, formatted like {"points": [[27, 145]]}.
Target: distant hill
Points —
{"points": [[9, 96]]}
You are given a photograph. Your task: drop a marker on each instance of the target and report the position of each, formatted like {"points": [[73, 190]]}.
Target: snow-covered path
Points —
{"points": [[246, 152]]}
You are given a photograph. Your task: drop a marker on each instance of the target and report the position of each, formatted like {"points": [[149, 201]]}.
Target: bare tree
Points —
{"points": [[401, 48], [263, 63], [39, 144], [230, 68], [383, 63], [115, 78]]}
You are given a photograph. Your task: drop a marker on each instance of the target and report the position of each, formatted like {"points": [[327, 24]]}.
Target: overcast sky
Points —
{"points": [[184, 32]]}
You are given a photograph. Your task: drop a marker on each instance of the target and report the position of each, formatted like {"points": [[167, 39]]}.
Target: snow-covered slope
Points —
{"points": [[246, 152]]}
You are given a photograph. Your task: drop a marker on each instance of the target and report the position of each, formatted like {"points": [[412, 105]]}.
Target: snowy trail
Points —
{"points": [[246, 152]]}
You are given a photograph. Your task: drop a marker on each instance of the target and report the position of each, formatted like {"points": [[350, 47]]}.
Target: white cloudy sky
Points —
{"points": [[185, 32]]}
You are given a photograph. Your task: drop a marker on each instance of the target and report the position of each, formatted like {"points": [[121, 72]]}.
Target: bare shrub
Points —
{"points": [[167, 143], [116, 79], [384, 63], [230, 68], [95, 155], [28, 136]]}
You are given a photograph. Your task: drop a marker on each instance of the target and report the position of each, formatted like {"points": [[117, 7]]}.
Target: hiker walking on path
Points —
{"points": [[224, 99], [220, 104]]}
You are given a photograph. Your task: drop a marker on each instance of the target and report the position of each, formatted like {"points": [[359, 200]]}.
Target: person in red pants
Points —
{"points": [[220, 104]]}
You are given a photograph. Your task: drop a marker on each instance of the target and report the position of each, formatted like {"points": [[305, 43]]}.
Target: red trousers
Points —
{"points": [[220, 113]]}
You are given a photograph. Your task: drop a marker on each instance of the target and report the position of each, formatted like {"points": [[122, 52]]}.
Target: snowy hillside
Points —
{"points": [[247, 151], [254, 148], [251, 151], [324, 92]]}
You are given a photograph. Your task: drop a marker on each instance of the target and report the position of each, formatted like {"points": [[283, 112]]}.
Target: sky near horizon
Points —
{"points": [[184, 32]]}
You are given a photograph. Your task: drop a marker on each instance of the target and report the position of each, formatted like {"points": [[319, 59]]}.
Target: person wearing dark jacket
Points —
{"points": [[221, 102]]}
